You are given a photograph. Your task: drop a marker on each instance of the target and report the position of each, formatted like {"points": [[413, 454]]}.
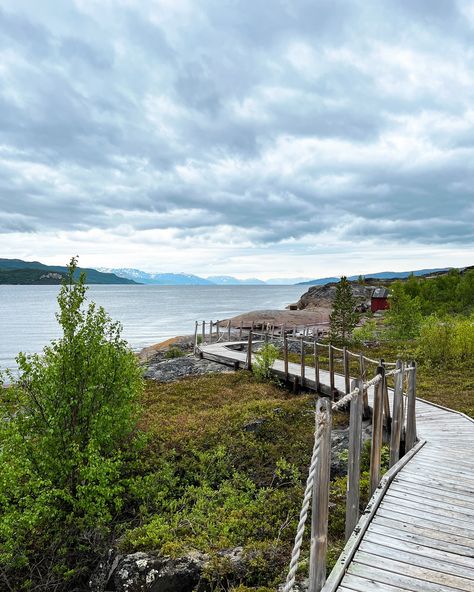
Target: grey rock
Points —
{"points": [[141, 572], [254, 425], [170, 370]]}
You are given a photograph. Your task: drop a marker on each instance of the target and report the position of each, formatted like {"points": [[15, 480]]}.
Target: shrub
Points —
{"points": [[447, 340], [174, 352], [71, 414], [265, 358], [365, 333], [404, 315]]}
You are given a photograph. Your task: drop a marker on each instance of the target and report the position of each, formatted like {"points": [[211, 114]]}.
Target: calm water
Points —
{"points": [[148, 313]]}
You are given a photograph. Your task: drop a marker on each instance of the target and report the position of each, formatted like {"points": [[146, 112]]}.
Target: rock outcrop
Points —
{"points": [[322, 297]]}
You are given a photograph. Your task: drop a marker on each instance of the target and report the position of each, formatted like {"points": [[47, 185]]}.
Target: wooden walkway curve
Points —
{"points": [[417, 534]]}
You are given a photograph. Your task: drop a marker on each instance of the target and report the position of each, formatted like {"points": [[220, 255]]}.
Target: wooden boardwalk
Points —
{"points": [[417, 533]]}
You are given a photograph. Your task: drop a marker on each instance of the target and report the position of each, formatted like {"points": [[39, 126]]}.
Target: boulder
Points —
{"points": [[170, 370], [142, 572]]}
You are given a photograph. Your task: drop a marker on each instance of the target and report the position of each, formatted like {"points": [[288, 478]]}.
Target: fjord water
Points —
{"points": [[149, 314]]}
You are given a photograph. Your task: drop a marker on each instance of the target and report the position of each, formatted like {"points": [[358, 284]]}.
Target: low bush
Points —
{"points": [[447, 341], [264, 360]]}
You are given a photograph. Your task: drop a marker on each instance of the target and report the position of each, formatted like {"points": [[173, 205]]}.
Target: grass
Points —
{"points": [[451, 387], [225, 465]]}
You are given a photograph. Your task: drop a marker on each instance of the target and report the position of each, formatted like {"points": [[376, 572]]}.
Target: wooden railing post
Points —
{"points": [[204, 331], [320, 505], [386, 403], [240, 330], [302, 358], [397, 418], [196, 326], [285, 353], [363, 376], [331, 369], [377, 432], [316, 364], [353, 463], [228, 331], [217, 330], [249, 352], [411, 409], [347, 378]]}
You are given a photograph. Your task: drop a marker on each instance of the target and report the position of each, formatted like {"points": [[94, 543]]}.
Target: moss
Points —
{"points": [[225, 465]]}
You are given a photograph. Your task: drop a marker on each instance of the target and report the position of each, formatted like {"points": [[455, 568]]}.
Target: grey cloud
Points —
{"points": [[117, 110]]}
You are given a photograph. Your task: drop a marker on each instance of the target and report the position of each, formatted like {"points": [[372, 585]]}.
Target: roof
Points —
{"points": [[380, 293]]}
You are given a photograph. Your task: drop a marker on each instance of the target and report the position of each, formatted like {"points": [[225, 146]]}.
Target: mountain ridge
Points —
{"points": [[20, 272]]}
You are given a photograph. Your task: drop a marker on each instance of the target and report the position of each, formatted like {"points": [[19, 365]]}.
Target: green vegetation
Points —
{"points": [[71, 415], [264, 360], [344, 316], [174, 352], [29, 276]]}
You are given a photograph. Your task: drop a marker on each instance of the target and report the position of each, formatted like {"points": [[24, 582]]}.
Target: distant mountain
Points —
{"points": [[17, 271], [228, 280], [383, 275], [163, 279]]}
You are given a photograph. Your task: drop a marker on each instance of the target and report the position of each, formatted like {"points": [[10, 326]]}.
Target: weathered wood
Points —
{"points": [[353, 463], [363, 376], [240, 330], [249, 352], [320, 505], [204, 331], [331, 369], [296, 385], [302, 361], [397, 416], [411, 409], [347, 378], [377, 432], [217, 330], [196, 326], [386, 402], [316, 364], [228, 331], [285, 355]]}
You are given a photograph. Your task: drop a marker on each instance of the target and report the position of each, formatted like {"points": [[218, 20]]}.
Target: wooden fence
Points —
{"points": [[393, 424]]}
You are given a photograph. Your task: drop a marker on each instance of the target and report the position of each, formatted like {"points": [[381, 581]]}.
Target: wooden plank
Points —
{"points": [[425, 504], [285, 355], [364, 585], [397, 421], [249, 352], [417, 526], [365, 521], [353, 463], [454, 469], [347, 377], [417, 579], [380, 526], [425, 518], [316, 365], [320, 503], [435, 483], [410, 438], [431, 500], [377, 433], [380, 549], [466, 563], [302, 361], [331, 370], [421, 470], [428, 490]]}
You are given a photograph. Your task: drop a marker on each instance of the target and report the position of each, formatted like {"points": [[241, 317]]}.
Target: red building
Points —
{"points": [[379, 300]]}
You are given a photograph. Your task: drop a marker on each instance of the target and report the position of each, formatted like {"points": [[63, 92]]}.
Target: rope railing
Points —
{"points": [[295, 554], [354, 397]]}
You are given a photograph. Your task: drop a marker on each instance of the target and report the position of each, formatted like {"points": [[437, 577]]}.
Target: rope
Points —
{"points": [[295, 554], [346, 399]]}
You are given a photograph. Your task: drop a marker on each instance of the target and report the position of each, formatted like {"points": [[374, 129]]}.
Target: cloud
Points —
{"points": [[299, 132]]}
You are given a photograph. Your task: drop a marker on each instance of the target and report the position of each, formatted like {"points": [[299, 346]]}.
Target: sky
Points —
{"points": [[267, 138]]}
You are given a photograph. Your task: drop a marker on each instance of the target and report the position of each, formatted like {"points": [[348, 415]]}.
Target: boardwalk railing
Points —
{"points": [[397, 427]]}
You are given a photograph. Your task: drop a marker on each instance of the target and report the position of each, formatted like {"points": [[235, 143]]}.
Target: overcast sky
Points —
{"points": [[246, 137]]}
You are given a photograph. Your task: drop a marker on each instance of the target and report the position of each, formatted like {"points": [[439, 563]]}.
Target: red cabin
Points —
{"points": [[379, 300]]}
